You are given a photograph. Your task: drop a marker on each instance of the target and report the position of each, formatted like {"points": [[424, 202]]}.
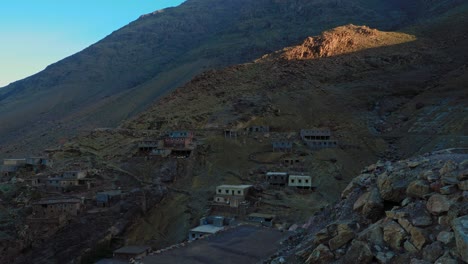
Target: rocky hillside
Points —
{"points": [[409, 211], [122, 74]]}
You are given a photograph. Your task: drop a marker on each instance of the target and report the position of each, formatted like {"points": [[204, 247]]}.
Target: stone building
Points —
{"points": [[258, 129], [57, 206], [263, 219]]}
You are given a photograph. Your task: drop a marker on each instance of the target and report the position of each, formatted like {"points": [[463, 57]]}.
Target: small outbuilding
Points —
{"points": [[129, 252], [203, 230], [264, 219]]}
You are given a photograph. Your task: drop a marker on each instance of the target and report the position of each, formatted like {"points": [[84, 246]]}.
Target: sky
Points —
{"points": [[37, 33]]}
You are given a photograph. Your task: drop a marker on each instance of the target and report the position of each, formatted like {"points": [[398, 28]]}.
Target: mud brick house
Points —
{"points": [[232, 195], [108, 198], [277, 178], [300, 181], [263, 219], [132, 252], [57, 206], [318, 138], [282, 146], [179, 139]]}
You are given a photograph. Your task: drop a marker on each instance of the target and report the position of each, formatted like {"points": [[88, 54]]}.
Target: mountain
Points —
{"points": [[124, 73]]}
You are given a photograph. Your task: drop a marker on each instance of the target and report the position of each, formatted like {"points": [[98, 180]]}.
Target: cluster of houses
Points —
{"points": [[313, 138], [174, 143]]}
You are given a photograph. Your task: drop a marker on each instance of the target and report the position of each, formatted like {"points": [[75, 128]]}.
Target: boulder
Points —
{"points": [[418, 214], [345, 234], [449, 181], [445, 237], [449, 189], [393, 234], [358, 252], [430, 176], [463, 185], [438, 204], [385, 258], [418, 188], [393, 186], [446, 259], [449, 169], [408, 246], [460, 229], [433, 251], [372, 234], [321, 254], [418, 237]]}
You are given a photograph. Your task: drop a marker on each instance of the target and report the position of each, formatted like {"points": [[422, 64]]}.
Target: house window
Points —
{"points": [[307, 181], [292, 181], [238, 192], [300, 181], [219, 190], [227, 191]]}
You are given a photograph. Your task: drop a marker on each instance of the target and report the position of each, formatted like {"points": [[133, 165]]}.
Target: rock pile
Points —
{"points": [[411, 211]]}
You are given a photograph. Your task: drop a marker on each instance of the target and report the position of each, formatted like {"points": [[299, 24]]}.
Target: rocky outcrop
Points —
{"points": [[420, 224], [345, 39]]}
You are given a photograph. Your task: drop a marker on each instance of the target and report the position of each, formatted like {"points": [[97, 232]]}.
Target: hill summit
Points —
{"points": [[342, 40]]}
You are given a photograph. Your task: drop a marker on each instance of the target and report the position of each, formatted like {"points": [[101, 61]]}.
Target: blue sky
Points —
{"points": [[36, 33]]}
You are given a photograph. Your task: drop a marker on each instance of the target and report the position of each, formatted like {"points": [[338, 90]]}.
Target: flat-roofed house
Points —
{"points": [[203, 230], [277, 178], [300, 181], [318, 138], [232, 195]]}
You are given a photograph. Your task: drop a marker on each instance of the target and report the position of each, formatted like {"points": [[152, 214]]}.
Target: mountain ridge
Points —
{"points": [[124, 73]]}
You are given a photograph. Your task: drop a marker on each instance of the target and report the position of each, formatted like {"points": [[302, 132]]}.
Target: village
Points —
{"points": [[53, 197]]}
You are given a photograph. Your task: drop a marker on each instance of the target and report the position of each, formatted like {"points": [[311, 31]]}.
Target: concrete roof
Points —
{"points": [[276, 173], [209, 229], [132, 249], [234, 186], [300, 176]]}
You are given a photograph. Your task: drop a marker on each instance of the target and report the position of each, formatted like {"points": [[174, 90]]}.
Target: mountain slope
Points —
{"points": [[122, 74]]}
